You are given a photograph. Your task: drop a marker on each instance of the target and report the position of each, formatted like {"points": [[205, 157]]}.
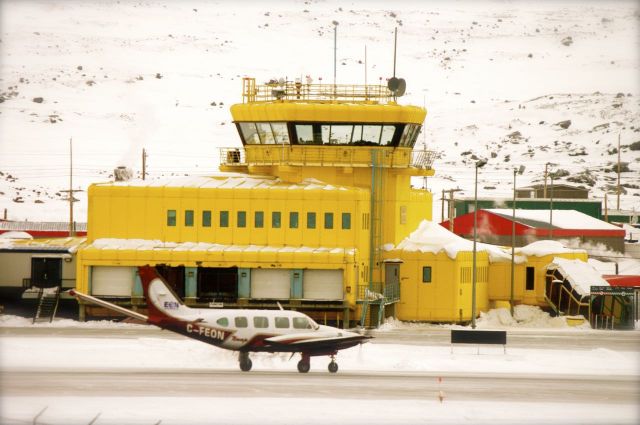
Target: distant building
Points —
{"points": [[42, 229], [589, 207], [495, 227], [560, 191]]}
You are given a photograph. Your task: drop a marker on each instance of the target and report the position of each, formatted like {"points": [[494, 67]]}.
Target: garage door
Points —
{"points": [[322, 285], [112, 281], [270, 283]]}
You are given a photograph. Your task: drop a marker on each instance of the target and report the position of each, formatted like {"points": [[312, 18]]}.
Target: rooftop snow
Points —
{"points": [[563, 219], [581, 275]]}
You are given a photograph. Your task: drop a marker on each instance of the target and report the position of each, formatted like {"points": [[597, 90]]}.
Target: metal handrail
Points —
{"points": [[379, 292], [308, 92]]}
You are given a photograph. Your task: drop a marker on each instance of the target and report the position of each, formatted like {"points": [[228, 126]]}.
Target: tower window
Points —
{"points": [[311, 220], [346, 221], [224, 218], [171, 217], [206, 218], [275, 219], [328, 220], [241, 219], [259, 219], [188, 218], [293, 220]]}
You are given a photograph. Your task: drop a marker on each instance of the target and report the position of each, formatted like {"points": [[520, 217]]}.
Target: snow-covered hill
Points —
{"points": [[500, 79]]}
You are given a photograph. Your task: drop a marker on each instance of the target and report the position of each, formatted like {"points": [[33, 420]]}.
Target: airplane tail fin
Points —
{"points": [[163, 304]]}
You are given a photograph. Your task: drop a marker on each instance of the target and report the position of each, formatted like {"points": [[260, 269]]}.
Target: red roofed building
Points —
{"points": [[42, 229], [495, 227]]}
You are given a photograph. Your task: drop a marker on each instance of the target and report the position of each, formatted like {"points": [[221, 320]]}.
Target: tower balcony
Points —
{"points": [[417, 163]]}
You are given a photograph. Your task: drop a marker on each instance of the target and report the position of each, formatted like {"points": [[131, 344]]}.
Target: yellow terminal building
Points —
{"points": [[316, 212]]}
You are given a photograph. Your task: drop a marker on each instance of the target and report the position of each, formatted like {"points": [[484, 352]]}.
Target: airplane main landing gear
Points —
{"points": [[305, 364], [333, 366], [245, 362]]}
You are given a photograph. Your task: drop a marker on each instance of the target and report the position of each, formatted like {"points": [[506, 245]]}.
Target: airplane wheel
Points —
{"points": [[245, 363], [333, 367], [303, 367]]}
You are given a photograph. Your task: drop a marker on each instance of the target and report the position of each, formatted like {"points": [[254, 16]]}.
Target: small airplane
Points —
{"points": [[245, 331]]}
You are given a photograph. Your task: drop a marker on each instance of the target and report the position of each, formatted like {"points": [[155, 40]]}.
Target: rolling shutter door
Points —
{"points": [[270, 283], [112, 281], [322, 285]]}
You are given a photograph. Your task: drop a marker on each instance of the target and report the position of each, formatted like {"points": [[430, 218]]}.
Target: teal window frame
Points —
{"points": [[426, 274], [346, 221], [258, 219], [311, 220], [172, 217], [188, 218], [224, 218], [241, 219], [293, 220], [206, 218], [276, 219], [328, 220]]}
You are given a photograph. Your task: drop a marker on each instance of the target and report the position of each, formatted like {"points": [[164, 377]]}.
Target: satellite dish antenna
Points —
{"points": [[393, 84], [402, 87]]}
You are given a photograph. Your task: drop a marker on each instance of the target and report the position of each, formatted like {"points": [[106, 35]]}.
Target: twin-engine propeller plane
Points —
{"points": [[244, 331]]}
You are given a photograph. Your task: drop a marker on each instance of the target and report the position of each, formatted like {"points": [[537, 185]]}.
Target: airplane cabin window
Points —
{"points": [[260, 322], [301, 323], [282, 322], [223, 321], [241, 322]]}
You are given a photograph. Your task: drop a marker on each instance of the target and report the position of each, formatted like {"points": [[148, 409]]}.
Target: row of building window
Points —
{"points": [[258, 219]]}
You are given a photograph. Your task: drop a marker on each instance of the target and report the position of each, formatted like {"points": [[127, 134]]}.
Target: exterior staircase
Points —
{"points": [[48, 299]]}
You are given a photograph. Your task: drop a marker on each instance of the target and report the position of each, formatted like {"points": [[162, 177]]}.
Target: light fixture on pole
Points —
{"points": [[513, 235], [479, 164]]}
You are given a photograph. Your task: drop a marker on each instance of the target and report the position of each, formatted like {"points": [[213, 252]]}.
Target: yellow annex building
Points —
{"points": [[316, 211]]}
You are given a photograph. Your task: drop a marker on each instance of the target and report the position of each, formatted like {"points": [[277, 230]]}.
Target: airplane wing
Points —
{"points": [[308, 343]]}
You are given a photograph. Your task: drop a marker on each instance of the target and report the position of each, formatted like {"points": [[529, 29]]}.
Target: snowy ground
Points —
{"points": [[496, 77], [98, 354]]}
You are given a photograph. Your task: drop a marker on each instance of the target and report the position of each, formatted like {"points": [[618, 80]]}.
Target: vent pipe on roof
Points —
{"points": [[122, 174]]}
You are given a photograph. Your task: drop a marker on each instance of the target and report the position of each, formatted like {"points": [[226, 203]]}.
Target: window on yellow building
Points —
{"points": [[346, 221], [206, 218], [188, 218], [275, 219], [241, 219], [171, 217], [531, 279], [293, 220], [328, 220], [259, 219], [224, 218], [426, 274], [311, 220]]}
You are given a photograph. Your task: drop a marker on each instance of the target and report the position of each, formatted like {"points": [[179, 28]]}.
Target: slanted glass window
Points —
{"points": [[241, 219], [275, 219], [340, 134], [259, 219], [426, 274], [311, 220], [241, 322], [366, 135], [301, 323], [188, 218], [206, 218], [171, 217], [346, 221], [409, 135], [265, 133], [305, 134], [260, 322], [280, 133], [224, 218], [328, 220], [223, 321], [293, 220], [387, 135], [249, 133], [282, 322]]}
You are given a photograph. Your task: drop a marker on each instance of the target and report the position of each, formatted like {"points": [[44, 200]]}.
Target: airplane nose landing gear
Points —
{"points": [[245, 362], [333, 366]]}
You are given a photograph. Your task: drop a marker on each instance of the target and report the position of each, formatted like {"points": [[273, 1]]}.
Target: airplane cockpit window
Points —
{"points": [[282, 322], [260, 322], [223, 321], [241, 322], [302, 323]]}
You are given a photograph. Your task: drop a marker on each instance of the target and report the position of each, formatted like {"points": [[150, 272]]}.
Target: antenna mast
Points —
{"points": [[395, 44]]}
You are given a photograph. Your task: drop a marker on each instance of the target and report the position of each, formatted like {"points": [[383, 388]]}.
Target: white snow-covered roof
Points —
{"points": [[545, 247], [228, 181], [157, 245], [564, 219], [14, 234], [581, 275], [432, 237]]}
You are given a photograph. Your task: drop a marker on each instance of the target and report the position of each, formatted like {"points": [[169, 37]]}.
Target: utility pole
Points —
{"points": [[606, 209], [546, 173], [144, 163], [71, 199], [551, 210], [618, 188], [442, 207]]}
